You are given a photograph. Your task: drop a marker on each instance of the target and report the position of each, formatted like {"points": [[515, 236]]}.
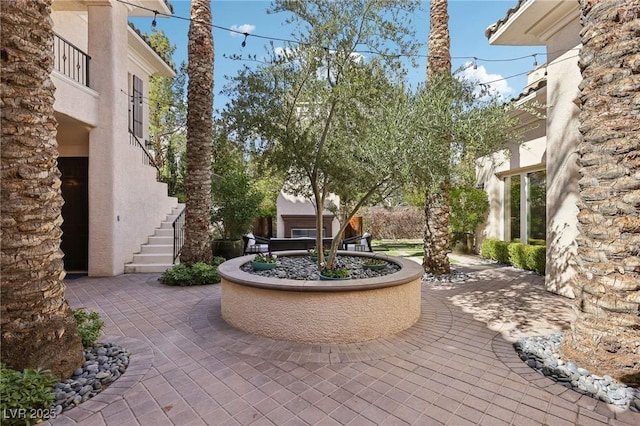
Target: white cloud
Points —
{"points": [[244, 28], [496, 81]]}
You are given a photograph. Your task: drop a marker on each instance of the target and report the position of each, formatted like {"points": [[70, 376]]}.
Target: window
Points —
{"points": [[135, 118], [304, 232], [513, 207], [526, 223], [537, 206]]}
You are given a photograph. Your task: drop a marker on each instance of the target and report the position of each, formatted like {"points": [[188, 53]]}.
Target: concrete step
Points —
{"points": [[166, 225], [157, 254], [153, 258], [139, 268], [163, 232], [153, 240], [156, 248]]}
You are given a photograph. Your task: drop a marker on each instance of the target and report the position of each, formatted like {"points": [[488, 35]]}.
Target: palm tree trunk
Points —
{"points": [[38, 328], [197, 246], [605, 338], [436, 209]]}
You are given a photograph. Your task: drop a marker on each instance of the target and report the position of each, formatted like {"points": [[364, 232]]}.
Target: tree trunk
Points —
{"points": [[199, 136], [605, 338], [436, 209], [436, 231], [38, 328], [439, 46]]}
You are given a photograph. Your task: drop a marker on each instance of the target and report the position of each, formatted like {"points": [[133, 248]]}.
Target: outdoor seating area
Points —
{"points": [[359, 243], [254, 244]]}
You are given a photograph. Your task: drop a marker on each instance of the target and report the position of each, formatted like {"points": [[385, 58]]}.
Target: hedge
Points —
{"points": [[522, 256]]}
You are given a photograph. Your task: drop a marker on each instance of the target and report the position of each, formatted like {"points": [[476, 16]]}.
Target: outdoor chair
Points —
{"points": [[359, 243], [255, 244]]}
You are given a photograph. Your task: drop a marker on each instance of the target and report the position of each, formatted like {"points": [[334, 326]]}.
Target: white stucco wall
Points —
{"points": [[563, 79], [72, 26], [558, 29], [126, 203]]}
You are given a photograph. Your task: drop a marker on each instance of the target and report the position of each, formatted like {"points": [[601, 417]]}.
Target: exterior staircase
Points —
{"points": [[156, 255]]}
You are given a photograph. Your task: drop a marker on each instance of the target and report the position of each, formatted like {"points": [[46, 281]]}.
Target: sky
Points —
{"points": [[468, 20]]}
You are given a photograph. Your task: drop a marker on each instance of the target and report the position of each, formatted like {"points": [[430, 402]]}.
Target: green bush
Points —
{"points": [[502, 252], [199, 273], [89, 326], [26, 396], [535, 258], [516, 255], [523, 256], [496, 250], [488, 249]]}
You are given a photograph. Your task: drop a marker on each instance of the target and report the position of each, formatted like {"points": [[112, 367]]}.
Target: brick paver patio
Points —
{"points": [[456, 366]]}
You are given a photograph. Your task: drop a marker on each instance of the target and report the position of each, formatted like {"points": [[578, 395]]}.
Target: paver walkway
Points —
{"points": [[456, 366]]}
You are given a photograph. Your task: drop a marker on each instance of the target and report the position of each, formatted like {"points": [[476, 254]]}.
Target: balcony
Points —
{"points": [[71, 61]]}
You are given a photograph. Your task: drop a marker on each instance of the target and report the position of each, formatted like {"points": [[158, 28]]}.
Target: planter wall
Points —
{"points": [[344, 311]]}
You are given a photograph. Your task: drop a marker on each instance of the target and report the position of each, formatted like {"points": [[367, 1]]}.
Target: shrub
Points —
{"points": [[535, 258], [336, 272], [488, 249], [516, 255], [523, 256], [89, 326], [26, 396], [394, 222], [199, 273], [502, 252]]}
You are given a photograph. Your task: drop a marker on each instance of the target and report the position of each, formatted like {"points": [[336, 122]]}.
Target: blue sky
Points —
{"points": [[468, 20]]}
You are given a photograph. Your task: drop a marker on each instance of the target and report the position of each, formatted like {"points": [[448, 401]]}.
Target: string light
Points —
{"points": [[284, 40], [154, 22], [246, 35]]}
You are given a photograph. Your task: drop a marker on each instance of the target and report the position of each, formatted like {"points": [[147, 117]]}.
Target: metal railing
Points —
{"points": [[70, 61], [147, 158], [178, 235]]}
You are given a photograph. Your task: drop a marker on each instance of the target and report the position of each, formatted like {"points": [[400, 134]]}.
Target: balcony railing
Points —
{"points": [[71, 61], [147, 158]]}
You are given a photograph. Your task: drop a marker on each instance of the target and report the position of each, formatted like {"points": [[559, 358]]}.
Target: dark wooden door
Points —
{"points": [[75, 212]]}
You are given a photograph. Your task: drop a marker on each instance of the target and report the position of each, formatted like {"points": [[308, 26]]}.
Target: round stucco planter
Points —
{"points": [[321, 311]]}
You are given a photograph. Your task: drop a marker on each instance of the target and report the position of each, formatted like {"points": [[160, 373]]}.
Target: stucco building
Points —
{"points": [[532, 188], [296, 217], [113, 200]]}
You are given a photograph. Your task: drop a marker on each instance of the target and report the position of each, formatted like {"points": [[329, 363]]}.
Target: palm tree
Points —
{"points": [[199, 135], [605, 337], [38, 328], [436, 209]]}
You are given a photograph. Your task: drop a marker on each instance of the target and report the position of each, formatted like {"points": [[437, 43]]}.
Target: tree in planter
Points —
{"points": [[323, 114], [235, 201]]}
